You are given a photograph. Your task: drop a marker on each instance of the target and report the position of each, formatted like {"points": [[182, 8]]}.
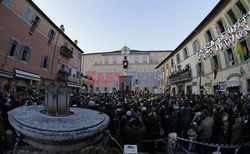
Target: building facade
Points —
{"points": [[34, 52], [122, 70], [215, 56]]}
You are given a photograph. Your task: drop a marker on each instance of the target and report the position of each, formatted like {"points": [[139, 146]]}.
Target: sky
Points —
{"points": [[108, 25]]}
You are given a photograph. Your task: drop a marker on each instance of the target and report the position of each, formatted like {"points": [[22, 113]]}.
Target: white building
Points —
{"points": [[109, 73]]}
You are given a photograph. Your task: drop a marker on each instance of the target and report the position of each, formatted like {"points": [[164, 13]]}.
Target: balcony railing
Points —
{"points": [[62, 76], [66, 51], [181, 76]]}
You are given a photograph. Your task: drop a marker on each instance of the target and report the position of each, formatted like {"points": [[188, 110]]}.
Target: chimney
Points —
{"points": [[62, 28], [76, 42]]}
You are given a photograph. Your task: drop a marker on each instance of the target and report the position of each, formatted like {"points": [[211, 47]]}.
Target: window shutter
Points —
{"points": [[224, 23], [21, 51], [48, 63], [212, 64], [245, 4], [206, 37], [219, 61], [49, 34], [198, 47], [226, 58], [28, 55], [9, 46], [229, 20], [212, 33], [16, 50], [235, 55], [194, 48], [42, 59], [248, 43], [197, 70], [236, 12]]}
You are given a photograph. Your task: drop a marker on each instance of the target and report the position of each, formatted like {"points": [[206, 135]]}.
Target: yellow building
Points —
{"points": [[216, 55]]}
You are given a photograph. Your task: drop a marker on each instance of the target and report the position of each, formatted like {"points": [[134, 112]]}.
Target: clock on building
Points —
{"points": [[125, 64]]}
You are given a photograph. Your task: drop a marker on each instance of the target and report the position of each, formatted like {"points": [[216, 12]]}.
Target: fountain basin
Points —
{"points": [[58, 133]]}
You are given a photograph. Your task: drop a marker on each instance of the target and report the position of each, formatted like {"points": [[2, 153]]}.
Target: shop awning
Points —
{"points": [[233, 82], [6, 74], [73, 86], [27, 75]]}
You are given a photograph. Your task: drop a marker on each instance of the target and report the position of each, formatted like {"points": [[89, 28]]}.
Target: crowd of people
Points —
{"points": [[135, 117]]}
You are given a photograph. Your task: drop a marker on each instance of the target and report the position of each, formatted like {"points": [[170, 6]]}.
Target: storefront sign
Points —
{"points": [[208, 84], [225, 40], [233, 75]]}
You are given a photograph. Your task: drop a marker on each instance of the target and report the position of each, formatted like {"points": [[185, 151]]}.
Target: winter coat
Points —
{"points": [[205, 128]]}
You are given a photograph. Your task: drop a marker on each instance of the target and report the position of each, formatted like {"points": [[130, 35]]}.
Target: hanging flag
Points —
{"points": [[216, 70], [238, 48]]}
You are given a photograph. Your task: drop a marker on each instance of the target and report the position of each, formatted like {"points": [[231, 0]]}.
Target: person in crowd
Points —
{"points": [[223, 132], [134, 131]]}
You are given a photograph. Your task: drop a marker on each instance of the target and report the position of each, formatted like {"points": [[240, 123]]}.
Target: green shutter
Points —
{"points": [[212, 64], [229, 20], [194, 48], [197, 70], [219, 61], [224, 23], [212, 33], [236, 12], [206, 37], [248, 43], [226, 58], [198, 47], [235, 55], [244, 4]]}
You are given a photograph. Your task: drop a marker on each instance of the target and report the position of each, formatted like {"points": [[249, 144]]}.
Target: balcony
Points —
{"points": [[66, 52], [62, 76], [180, 76]]}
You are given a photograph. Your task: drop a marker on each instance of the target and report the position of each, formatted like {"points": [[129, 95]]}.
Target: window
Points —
{"points": [[105, 89], [13, 48], [196, 46], [6, 2], [145, 69], [70, 71], [66, 43], [145, 60], [241, 7], [26, 14], [77, 74], [199, 69], [178, 58], [232, 17], [215, 62], [136, 60], [25, 53], [172, 62], [79, 56], [114, 61], [220, 27], [246, 52], [114, 69], [185, 53], [208, 35], [230, 57], [45, 62], [106, 61], [96, 88], [52, 34], [36, 21]]}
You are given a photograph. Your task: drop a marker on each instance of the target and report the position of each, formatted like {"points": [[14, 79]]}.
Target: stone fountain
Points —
{"points": [[55, 127]]}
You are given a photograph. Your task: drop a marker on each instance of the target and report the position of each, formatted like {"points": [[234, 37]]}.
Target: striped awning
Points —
{"points": [[233, 82], [27, 75]]}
